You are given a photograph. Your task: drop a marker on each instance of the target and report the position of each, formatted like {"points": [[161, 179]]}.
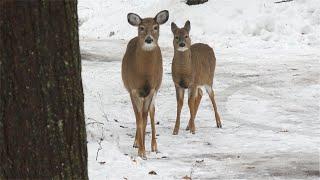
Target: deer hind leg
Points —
{"points": [[138, 102], [154, 147], [198, 99], [179, 96], [192, 104], [211, 95]]}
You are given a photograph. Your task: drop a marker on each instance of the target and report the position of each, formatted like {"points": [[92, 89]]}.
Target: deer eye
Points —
{"points": [[155, 28], [186, 36], [177, 37], [141, 28]]}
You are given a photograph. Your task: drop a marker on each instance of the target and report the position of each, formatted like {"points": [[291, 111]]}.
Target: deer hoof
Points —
{"points": [[175, 132], [135, 145], [143, 156]]}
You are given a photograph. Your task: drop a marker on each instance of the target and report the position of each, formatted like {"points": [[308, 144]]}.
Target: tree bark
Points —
{"points": [[42, 127]]}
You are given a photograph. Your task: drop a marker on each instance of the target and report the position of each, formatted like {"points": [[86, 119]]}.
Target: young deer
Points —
{"points": [[192, 66], [142, 73]]}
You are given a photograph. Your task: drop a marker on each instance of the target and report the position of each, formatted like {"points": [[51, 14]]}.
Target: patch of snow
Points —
{"points": [[266, 85], [268, 102]]}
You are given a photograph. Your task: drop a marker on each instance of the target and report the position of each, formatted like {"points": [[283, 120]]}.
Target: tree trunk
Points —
{"points": [[42, 127]]}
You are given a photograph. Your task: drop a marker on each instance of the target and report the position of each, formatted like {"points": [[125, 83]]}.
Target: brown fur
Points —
{"points": [[194, 66], [141, 70], [191, 69], [142, 75]]}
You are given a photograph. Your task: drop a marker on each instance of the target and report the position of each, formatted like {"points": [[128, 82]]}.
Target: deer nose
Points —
{"points": [[148, 40], [182, 44]]}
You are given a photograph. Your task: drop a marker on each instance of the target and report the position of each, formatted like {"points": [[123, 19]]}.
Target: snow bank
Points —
{"points": [[221, 23]]}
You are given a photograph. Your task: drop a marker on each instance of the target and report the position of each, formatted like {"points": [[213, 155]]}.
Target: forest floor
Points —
{"points": [[268, 102]]}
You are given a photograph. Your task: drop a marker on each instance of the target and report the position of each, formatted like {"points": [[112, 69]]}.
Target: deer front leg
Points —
{"points": [[144, 122], [135, 144], [141, 134], [148, 107], [179, 96], [138, 102], [198, 99], [154, 147], [192, 102]]}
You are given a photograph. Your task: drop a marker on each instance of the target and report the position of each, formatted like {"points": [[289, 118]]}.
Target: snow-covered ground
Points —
{"points": [[267, 89]]}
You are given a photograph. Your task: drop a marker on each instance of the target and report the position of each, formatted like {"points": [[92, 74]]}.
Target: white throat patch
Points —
{"points": [[148, 47], [182, 49]]}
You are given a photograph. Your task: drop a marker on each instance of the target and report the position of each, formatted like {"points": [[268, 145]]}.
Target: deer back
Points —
{"points": [[203, 63]]}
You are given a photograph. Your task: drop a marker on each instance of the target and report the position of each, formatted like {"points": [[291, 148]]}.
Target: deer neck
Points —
{"points": [[146, 62], [144, 55], [182, 57]]}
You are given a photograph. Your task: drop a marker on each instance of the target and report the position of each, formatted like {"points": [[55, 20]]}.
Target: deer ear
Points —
{"points": [[187, 26], [134, 19], [173, 27], [162, 17]]}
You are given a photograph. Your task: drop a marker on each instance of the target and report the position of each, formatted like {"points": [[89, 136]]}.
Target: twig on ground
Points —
{"points": [[99, 148], [101, 107], [192, 170], [94, 122], [283, 1]]}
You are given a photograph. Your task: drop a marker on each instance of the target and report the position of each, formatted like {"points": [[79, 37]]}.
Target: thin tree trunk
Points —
{"points": [[42, 128]]}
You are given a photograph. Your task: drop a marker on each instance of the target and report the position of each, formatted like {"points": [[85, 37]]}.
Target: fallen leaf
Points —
{"points": [[284, 130]]}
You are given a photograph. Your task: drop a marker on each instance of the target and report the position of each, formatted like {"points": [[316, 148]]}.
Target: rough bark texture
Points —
{"points": [[42, 128], [195, 2]]}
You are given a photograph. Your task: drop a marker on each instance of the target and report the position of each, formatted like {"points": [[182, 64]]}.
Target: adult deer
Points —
{"points": [[142, 73], [193, 66]]}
